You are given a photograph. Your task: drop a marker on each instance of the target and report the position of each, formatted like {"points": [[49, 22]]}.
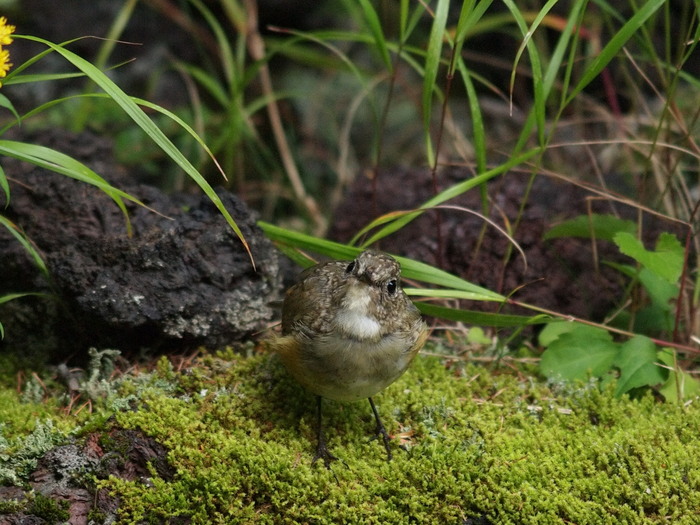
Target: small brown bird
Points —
{"points": [[348, 332]]}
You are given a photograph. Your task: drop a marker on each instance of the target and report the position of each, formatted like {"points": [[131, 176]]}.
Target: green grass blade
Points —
{"points": [[51, 77], [409, 23], [375, 28], [322, 37], [468, 18], [228, 62], [539, 104], [410, 269], [478, 294], [61, 163], [555, 61], [15, 71], [423, 272], [403, 20], [469, 15], [40, 77], [12, 296], [619, 39], [214, 88], [308, 242], [478, 130], [116, 30], [5, 186], [432, 64], [7, 104], [147, 125], [450, 193], [26, 244], [480, 318], [383, 219]]}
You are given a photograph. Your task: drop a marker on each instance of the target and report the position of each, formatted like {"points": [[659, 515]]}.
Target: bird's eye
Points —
{"points": [[391, 287], [350, 267]]}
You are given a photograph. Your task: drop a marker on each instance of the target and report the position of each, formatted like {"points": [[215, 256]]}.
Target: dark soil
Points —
{"points": [[559, 275]]}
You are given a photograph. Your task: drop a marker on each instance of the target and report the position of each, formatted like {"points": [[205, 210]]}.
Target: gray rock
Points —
{"points": [[182, 280]]}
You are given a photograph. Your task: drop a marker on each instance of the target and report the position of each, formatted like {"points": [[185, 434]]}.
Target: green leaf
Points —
{"points": [[476, 335], [580, 353], [480, 318], [450, 193], [432, 63], [666, 261], [553, 330], [680, 385], [660, 290], [595, 225], [5, 186], [375, 28], [653, 320], [671, 250], [7, 104], [410, 269], [636, 360], [28, 246], [611, 49]]}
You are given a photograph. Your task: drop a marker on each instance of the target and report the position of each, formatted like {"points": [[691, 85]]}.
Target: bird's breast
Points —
{"points": [[347, 369]]}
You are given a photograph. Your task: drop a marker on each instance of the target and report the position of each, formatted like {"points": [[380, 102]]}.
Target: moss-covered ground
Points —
{"points": [[481, 446]]}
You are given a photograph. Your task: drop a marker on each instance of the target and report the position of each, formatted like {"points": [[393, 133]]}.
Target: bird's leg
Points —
{"points": [[380, 430], [322, 451]]}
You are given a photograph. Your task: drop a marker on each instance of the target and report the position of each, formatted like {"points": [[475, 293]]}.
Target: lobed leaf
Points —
{"points": [[666, 260], [579, 353], [595, 225], [636, 360]]}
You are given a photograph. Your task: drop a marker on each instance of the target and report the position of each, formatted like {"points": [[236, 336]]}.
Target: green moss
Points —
{"points": [[51, 510], [241, 438], [10, 506], [96, 516], [11, 364], [27, 430]]}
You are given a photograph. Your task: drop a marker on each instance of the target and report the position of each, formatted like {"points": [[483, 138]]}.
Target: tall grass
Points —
{"points": [[404, 82], [591, 63]]}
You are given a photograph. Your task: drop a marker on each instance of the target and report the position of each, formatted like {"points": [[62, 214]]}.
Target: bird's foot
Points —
{"points": [[323, 453]]}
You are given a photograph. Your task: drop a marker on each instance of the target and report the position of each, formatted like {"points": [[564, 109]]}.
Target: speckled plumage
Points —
{"points": [[349, 330]]}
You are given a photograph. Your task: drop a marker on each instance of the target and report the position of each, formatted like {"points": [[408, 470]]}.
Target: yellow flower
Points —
{"points": [[5, 32], [5, 40], [5, 63]]}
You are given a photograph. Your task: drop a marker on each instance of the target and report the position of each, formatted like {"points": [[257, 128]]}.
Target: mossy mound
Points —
{"points": [[481, 447]]}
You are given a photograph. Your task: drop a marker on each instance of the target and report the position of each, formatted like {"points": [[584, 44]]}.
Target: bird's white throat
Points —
{"points": [[353, 317]]}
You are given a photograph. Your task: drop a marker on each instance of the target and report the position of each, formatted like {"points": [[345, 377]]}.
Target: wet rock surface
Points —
{"points": [[182, 279]]}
